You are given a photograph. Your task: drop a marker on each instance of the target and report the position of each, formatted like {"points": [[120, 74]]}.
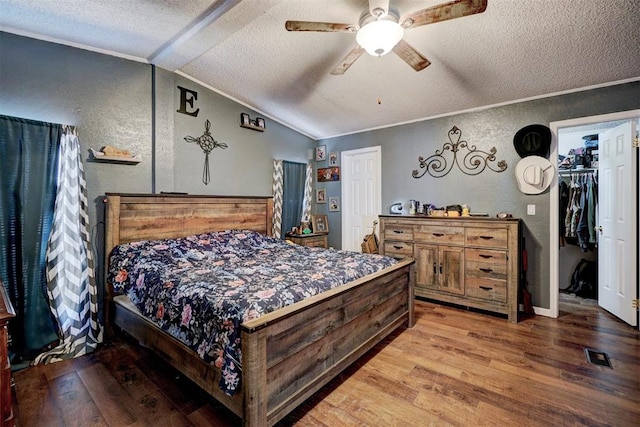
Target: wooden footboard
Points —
{"points": [[288, 354]]}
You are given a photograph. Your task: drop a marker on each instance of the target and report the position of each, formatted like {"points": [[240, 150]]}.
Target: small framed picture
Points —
{"points": [[333, 158], [329, 174], [321, 195], [320, 224], [244, 119], [321, 153], [260, 122], [334, 204]]}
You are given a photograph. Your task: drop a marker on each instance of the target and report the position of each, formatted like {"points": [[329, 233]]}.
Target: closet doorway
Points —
{"points": [[617, 218]]}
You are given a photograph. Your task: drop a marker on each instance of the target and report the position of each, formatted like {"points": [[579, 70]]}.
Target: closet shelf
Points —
{"points": [[99, 156]]}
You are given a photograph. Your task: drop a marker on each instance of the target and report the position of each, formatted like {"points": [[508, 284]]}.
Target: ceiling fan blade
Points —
{"points": [[411, 56], [326, 27], [443, 12], [348, 61]]}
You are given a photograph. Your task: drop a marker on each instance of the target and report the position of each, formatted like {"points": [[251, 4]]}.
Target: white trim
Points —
{"points": [[486, 107], [31, 35], [244, 104], [539, 311], [165, 55], [554, 208]]}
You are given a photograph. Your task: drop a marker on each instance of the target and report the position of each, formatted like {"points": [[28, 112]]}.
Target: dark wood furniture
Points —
{"points": [[468, 261], [287, 355], [314, 240], [6, 402]]}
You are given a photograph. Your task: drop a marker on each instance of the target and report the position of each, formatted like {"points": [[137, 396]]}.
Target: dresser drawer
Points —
{"points": [[312, 241], [484, 263], [486, 273], [487, 289], [398, 232], [439, 234], [486, 256], [398, 249], [487, 237]]}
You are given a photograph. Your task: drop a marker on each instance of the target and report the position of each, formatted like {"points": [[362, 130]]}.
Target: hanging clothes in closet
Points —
{"points": [[579, 209]]}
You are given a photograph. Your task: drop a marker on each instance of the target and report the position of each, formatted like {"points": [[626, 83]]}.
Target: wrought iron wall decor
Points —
{"points": [[207, 143], [473, 163]]}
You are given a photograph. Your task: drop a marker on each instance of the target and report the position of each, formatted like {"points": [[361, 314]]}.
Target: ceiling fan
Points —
{"points": [[380, 29]]}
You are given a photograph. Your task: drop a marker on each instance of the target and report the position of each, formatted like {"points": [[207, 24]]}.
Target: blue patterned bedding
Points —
{"points": [[201, 288]]}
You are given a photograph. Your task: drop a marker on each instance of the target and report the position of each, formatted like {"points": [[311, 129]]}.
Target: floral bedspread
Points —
{"points": [[201, 288]]}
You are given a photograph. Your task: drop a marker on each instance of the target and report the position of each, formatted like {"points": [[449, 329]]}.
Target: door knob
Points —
{"points": [[599, 228]]}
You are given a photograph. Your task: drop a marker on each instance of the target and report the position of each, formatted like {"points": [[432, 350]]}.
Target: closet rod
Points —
{"points": [[575, 171]]}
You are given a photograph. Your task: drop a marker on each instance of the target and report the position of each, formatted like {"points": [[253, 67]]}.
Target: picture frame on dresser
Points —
{"points": [[320, 224]]}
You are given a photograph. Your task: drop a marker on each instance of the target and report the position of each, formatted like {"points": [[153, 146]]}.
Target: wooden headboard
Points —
{"points": [[131, 217]]}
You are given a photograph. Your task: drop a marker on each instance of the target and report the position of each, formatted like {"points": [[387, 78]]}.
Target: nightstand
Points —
{"points": [[315, 240], [6, 401]]}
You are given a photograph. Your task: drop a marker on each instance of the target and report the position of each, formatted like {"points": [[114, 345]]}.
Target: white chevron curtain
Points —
{"points": [[278, 195], [308, 188], [278, 182], [71, 286]]}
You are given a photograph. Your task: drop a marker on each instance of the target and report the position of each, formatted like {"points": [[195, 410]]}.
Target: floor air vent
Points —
{"points": [[597, 358]]}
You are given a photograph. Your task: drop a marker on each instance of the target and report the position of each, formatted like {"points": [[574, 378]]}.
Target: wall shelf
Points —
{"points": [[252, 127], [99, 156], [253, 124]]}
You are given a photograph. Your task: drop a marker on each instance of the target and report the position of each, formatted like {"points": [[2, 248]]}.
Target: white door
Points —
{"points": [[361, 194], [617, 195]]}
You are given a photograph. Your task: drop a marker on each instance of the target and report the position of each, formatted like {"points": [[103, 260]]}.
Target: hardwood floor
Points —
{"points": [[455, 367]]}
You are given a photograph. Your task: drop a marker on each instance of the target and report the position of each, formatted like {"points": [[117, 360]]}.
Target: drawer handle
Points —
{"points": [[440, 268], [398, 231], [438, 234], [486, 288], [485, 256], [486, 270], [434, 268], [397, 247], [486, 237]]}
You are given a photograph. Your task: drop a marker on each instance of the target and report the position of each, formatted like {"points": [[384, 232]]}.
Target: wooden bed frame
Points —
{"points": [[287, 355]]}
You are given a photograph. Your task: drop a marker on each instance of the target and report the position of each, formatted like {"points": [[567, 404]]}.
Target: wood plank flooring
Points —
{"points": [[455, 367]]}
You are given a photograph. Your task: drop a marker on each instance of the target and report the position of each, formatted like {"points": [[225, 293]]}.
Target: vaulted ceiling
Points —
{"points": [[512, 51]]}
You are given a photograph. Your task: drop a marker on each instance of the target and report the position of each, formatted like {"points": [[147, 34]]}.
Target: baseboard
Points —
{"points": [[542, 311]]}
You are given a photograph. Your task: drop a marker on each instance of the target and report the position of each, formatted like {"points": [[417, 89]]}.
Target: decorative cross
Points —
{"points": [[207, 143]]}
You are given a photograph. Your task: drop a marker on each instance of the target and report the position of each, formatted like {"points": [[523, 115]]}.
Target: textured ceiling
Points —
{"points": [[514, 50]]}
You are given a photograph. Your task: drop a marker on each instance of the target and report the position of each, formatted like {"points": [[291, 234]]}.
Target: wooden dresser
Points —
{"points": [[6, 402], [313, 240], [474, 262]]}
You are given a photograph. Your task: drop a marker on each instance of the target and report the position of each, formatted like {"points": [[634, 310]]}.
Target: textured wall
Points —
{"points": [[245, 167], [110, 100], [488, 192]]}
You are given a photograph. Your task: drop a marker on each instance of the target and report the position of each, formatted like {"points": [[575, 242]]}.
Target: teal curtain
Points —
{"points": [[294, 176], [28, 171]]}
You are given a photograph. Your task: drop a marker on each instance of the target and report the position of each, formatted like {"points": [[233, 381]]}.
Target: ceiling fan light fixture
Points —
{"points": [[380, 36]]}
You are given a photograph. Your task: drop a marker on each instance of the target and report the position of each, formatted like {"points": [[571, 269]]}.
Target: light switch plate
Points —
{"points": [[531, 209]]}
